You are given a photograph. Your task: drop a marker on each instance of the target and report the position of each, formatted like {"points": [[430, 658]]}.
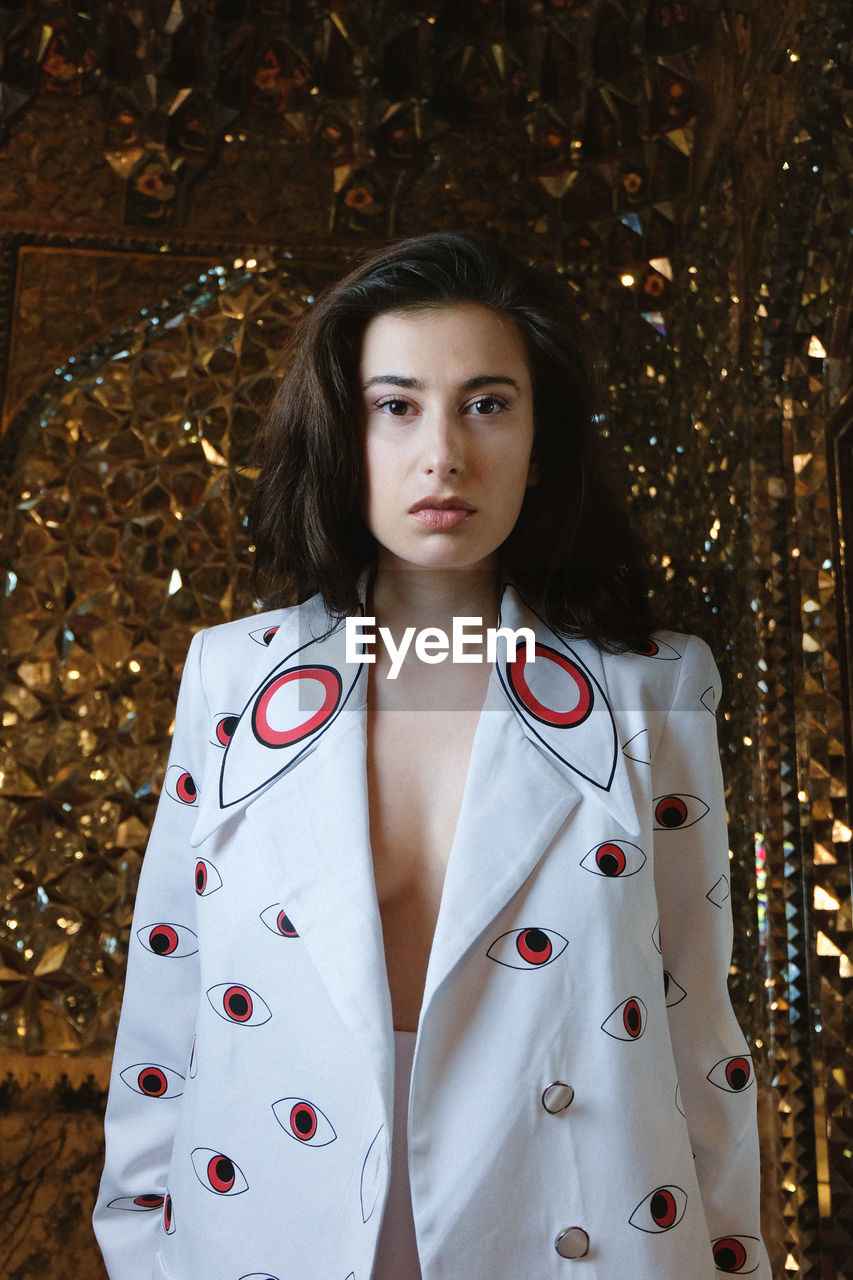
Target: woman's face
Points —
{"points": [[448, 413]]}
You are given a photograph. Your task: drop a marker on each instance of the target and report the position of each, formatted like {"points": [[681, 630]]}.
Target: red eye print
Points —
{"points": [[168, 1216], [676, 811], [279, 721], [304, 1122], [224, 731], [737, 1255], [239, 1004], [207, 878], [673, 992], [218, 1172], [153, 1081], [531, 948], [661, 1210], [277, 921], [263, 635], [627, 1021], [657, 649], [173, 940], [180, 785], [732, 1075], [614, 858], [138, 1204], [577, 689]]}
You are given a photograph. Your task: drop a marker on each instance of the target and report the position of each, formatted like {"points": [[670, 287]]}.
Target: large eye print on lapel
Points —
{"points": [[218, 1172], [661, 1210], [278, 716], [304, 1122], [153, 1081], [614, 858], [180, 785], [673, 812], [736, 1255], [171, 940], [238, 1004], [168, 1216], [627, 1021], [531, 948]]}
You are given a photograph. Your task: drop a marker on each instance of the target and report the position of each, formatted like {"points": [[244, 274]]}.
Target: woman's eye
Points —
{"points": [[484, 406], [397, 408]]}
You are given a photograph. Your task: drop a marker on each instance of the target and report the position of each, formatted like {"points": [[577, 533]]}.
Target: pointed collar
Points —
{"points": [[307, 690]]}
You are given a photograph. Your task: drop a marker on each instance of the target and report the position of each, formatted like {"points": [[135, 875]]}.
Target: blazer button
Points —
{"points": [[557, 1097], [572, 1243]]}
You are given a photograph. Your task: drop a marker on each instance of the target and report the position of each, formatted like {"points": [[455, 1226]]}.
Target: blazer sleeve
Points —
{"points": [[161, 995], [716, 1079]]}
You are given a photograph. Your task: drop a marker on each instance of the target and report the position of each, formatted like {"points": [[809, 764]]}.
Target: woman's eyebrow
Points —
{"points": [[470, 384]]}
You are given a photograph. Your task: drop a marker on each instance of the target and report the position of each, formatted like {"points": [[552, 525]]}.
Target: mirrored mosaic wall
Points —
{"points": [[716, 279]]}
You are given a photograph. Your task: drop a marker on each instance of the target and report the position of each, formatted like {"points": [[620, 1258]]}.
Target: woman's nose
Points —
{"points": [[443, 450]]}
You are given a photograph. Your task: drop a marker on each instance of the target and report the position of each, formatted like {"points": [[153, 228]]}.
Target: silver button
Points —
{"points": [[572, 1243], [557, 1097]]}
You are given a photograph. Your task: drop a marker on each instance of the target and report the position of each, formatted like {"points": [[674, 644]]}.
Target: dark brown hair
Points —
{"points": [[572, 553]]}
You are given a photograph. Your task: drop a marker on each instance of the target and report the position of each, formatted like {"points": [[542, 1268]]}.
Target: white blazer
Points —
{"points": [[582, 1100]]}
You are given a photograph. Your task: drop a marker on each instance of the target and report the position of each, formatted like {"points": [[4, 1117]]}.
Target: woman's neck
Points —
{"points": [[417, 597]]}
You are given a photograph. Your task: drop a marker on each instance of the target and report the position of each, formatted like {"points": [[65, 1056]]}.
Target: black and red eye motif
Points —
{"points": [[614, 858], [180, 785], [661, 1210], [207, 878], [277, 921], [239, 1004], [736, 1255], [676, 811], [657, 649], [138, 1204], [173, 940], [733, 1075], [279, 716], [564, 702], [627, 1021], [153, 1081], [304, 1122], [218, 1172], [264, 635], [527, 948], [673, 991], [168, 1216], [223, 729]]}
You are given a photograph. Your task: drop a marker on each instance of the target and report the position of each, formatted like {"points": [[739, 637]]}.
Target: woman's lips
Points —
{"points": [[442, 517]]}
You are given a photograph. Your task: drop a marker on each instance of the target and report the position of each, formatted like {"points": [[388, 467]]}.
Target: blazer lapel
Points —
{"points": [[312, 830], [547, 740]]}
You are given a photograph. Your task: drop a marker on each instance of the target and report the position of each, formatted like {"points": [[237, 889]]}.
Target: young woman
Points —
{"points": [[428, 966]]}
